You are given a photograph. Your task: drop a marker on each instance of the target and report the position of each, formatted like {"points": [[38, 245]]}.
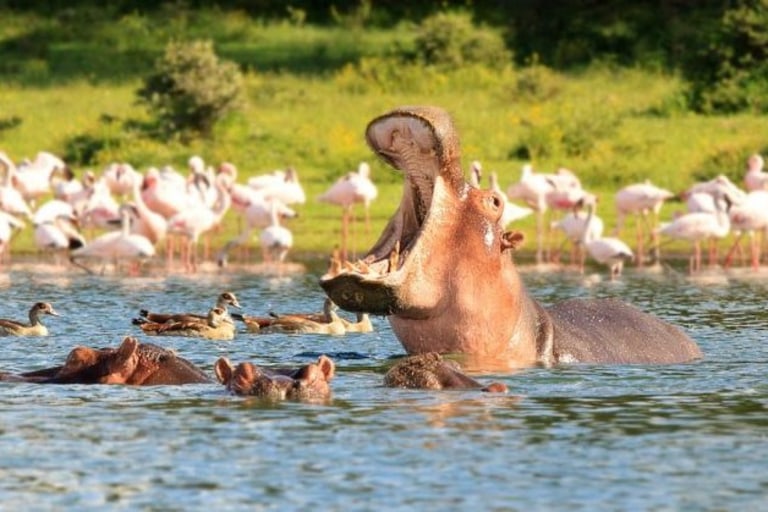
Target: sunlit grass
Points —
{"points": [[611, 126]]}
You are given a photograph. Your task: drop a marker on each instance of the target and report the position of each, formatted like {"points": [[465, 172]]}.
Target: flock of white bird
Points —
{"points": [[130, 215], [123, 215], [714, 209]]}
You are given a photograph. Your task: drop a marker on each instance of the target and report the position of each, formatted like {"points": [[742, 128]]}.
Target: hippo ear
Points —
{"points": [[511, 240], [128, 347], [327, 366], [224, 370], [243, 378], [79, 357]]}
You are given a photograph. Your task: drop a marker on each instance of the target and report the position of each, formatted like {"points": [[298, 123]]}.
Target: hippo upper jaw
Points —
{"points": [[410, 140]]}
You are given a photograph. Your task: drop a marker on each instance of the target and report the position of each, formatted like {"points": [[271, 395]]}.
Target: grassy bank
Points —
{"points": [[311, 91]]}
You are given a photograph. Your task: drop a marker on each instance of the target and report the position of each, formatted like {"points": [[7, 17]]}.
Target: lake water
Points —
{"points": [[682, 437]]}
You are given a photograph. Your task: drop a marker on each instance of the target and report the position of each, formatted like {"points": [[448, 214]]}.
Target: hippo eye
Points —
{"points": [[494, 202]]}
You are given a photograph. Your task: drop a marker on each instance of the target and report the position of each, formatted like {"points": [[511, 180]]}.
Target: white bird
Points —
{"points": [[66, 185], [58, 235], [719, 186], [116, 246], [100, 210], [258, 215], [699, 226], [33, 178], [11, 199], [574, 224], [120, 177], [52, 209], [609, 251], [197, 220], [281, 184], [541, 191], [8, 224], [165, 191], [641, 200], [748, 217], [700, 202], [275, 239], [350, 189], [755, 178], [147, 222]]}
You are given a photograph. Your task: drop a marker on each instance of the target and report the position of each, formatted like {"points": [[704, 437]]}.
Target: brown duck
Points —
{"points": [[327, 322], [215, 327], [34, 328], [224, 300]]}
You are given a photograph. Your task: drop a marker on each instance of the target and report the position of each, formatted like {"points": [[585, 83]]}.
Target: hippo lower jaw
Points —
{"points": [[361, 288]]}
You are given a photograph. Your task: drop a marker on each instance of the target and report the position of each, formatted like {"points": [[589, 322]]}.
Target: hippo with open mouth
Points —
{"points": [[442, 271]]}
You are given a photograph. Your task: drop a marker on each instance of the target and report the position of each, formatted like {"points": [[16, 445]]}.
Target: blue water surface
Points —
{"points": [[582, 437]]}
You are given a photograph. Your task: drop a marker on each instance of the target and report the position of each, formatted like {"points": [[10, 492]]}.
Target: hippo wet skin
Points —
{"points": [[431, 371], [442, 271], [132, 363], [309, 383]]}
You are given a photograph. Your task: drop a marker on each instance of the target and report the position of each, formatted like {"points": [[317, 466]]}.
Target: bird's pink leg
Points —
{"points": [[729, 256], [712, 258], [640, 248], [539, 235], [344, 232], [696, 257], [754, 250]]}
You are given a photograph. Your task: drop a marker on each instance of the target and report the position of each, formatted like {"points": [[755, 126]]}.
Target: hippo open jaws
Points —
{"points": [[442, 271]]}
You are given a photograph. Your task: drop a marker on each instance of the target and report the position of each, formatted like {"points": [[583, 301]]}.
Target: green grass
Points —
{"points": [[311, 91]]}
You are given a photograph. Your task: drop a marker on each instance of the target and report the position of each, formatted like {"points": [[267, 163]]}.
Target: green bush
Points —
{"points": [[536, 83], [451, 39], [191, 89], [732, 75]]}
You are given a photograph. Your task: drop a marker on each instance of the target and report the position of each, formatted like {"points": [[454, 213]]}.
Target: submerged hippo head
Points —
{"points": [[441, 252], [131, 363], [310, 382], [85, 365], [431, 371]]}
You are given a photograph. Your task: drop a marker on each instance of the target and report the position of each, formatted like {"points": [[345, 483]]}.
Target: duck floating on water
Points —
{"points": [[215, 327], [327, 322], [224, 300], [34, 328]]}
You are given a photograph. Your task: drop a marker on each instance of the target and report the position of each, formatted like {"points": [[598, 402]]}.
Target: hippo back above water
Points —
{"points": [[442, 271]]}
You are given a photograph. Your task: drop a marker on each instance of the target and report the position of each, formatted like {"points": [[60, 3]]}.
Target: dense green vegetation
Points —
{"points": [[314, 77]]}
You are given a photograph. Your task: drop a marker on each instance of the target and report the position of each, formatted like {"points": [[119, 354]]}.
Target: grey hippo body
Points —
{"points": [[443, 273]]}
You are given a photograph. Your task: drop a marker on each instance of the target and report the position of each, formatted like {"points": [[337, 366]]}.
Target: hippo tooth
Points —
{"points": [[334, 268], [394, 257], [363, 267]]}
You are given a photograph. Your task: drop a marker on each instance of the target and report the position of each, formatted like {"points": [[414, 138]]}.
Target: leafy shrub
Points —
{"points": [[572, 133], [732, 75], [191, 89], [450, 39], [536, 82]]}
